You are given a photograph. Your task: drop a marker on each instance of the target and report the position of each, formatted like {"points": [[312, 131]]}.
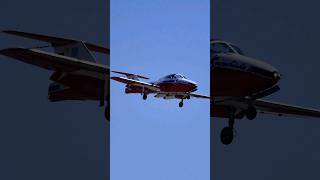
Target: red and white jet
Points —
{"points": [[237, 84], [173, 86]]}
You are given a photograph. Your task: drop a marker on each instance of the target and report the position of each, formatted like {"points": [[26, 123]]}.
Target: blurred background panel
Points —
{"points": [[284, 34], [39, 139]]}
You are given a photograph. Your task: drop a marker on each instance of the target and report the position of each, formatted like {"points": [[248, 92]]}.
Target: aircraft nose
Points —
{"points": [[276, 75], [271, 72], [192, 83], [252, 65], [264, 69]]}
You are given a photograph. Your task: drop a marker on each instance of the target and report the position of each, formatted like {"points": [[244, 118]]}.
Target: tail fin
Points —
{"points": [[76, 50]]}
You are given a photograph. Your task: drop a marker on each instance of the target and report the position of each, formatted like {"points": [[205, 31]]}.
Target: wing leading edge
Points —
{"points": [[284, 109], [55, 62], [199, 96], [267, 107]]}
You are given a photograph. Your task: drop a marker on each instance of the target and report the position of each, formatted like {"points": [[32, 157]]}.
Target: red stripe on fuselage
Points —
{"points": [[176, 87], [164, 87]]}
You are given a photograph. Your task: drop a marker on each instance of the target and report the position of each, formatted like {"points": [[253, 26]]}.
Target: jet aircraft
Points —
{"points": [[238, 83], [173, 86], [76, 74]]}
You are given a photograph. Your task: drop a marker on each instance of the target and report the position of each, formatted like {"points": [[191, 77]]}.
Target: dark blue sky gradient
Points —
{"points": [[39, 139], [286, 35]]}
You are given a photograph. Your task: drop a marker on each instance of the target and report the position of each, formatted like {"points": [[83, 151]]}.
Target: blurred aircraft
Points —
{"points": [[173, 86], [76, 74], [237, 84]]}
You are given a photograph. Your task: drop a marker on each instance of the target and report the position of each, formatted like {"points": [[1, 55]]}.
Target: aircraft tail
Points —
{"points": [[130, 75], [76, 50]]}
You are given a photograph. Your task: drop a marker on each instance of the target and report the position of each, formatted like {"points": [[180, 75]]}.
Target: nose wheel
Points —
{"points": [[251, 113], [144, 97], [181, 103], [227, 133]]}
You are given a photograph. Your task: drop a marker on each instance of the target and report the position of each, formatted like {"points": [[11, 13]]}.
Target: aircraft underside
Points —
{"points": [[167, 95], [229, 82], [76, 87], [235, 83]]}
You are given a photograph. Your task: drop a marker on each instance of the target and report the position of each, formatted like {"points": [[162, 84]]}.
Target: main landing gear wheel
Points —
{"points": [[144, 96], [180, 103], [226, 135], [251, 113]]}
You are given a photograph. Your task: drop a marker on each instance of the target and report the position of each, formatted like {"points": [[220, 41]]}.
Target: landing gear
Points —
{"points": [[251, 113], [107, 113], [181, 103], [227, 133], [144, 96], [105, 97]]}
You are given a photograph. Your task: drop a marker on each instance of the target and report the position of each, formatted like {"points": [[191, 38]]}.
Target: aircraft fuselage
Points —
{"points": [[170, 84], [236, 75]]}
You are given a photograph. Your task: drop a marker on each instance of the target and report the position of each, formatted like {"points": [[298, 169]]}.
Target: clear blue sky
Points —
{"points": [[155, 139]]}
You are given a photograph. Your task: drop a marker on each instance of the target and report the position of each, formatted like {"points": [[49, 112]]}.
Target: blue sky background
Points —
{"points": [[155, 139]]}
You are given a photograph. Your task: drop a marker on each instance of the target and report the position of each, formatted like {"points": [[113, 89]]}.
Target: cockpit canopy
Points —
{"points": [[217, 46], [174, 76]]}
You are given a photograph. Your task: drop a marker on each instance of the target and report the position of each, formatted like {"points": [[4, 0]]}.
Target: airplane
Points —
{"points": [[238, 83], [173, 86], [76, 74]]}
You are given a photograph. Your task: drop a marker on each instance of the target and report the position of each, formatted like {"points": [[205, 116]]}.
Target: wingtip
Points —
{"points": [[7, 31]]}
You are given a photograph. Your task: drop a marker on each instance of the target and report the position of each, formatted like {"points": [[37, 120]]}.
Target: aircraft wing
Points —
{"points": [[56, 62], [280, 109], [133, 82], [199, 96], [268, 107], [57, 41]]}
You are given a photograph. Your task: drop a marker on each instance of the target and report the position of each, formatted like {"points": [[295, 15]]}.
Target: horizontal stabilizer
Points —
{"points": [[131, 76], [57, 41]]}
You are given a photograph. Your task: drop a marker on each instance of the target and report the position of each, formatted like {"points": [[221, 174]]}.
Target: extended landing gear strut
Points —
{"points": [[105, 97], [227, 133], [107, 113], [181, 103], [106, 110]]}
